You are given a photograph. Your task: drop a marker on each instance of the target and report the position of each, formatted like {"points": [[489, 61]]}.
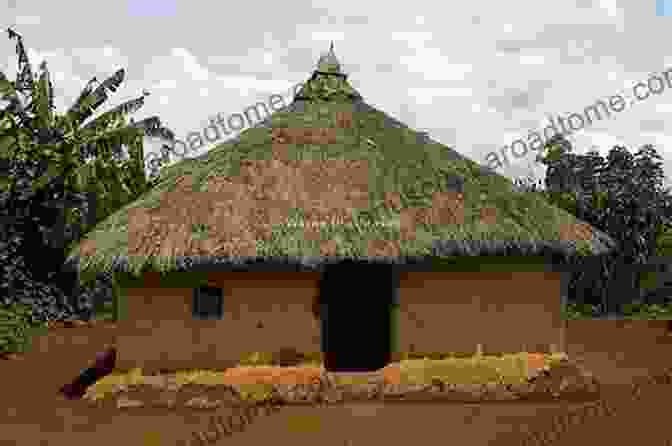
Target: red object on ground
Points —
{"points": [[103, 366]]}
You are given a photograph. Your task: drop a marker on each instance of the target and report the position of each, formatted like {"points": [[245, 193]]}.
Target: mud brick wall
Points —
{"points": [[503, 311], [261, 312], [439, 312]]}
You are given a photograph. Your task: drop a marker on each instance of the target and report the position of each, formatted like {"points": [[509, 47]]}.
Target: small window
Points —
{"points": [[208, 302]]}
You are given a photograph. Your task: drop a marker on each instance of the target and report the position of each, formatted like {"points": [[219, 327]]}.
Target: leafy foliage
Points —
{"points": [[579, 311], [621, 195], [16, 327], [50, 194], [13, 327], [62, 143], [664, 242], [18, 285]]}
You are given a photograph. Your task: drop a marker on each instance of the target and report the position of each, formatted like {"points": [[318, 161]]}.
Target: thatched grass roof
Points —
{"points": [[329, 177]]}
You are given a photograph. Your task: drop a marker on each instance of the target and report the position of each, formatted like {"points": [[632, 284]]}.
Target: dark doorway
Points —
{"points": [[356, 304]]}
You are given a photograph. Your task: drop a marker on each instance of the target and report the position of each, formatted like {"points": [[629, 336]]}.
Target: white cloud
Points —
{"points": [[663, 108], [327, 37], [660, 140], [165, 84], [443, 61], [27, 20], [601, 141], [191, 65], [37, 57], [435, 67], [198, 73], [426, 95], [532, 59], [612, 76], [413, 39], [574, 48], [105, 60], [610, 7]]}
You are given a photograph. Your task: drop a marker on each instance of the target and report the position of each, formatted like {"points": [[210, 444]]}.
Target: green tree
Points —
{"points": [[621, 195], [51, 150]]}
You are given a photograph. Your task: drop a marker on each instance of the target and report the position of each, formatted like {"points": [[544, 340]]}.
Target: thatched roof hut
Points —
{"points": [[329, 178]]}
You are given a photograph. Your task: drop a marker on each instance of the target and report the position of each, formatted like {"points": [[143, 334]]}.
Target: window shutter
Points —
{"points": [[208, 303]]}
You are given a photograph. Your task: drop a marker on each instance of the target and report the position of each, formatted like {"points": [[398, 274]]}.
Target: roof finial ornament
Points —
{"points": [[328, 63]]}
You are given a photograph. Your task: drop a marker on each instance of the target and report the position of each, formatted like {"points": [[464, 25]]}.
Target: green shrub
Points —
{"points": [[580, 311], [630, 309], [659, 310], [16, 328], [643, 311], [633, 310]]}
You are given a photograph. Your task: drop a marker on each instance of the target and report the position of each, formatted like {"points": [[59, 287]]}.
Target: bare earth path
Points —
{"points": [[32, 413]]}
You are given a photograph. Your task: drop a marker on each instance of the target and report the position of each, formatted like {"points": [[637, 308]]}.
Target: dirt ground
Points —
{"points": [[618, 353]]}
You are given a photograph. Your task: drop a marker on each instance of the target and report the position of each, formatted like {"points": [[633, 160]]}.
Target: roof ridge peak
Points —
{"points": [[328, 62]]}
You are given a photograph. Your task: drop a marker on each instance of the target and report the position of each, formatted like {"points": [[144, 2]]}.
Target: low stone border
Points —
{"points": [[560, 382]]}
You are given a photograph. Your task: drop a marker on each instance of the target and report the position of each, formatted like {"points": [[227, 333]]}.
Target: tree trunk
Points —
{"points": [[98, 304], [623, 287]]}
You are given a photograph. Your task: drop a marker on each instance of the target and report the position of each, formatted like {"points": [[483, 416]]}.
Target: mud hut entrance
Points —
{"points": [[358, 312]]}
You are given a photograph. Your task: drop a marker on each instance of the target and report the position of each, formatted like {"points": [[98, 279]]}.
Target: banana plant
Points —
{"points": [[34, 131]]}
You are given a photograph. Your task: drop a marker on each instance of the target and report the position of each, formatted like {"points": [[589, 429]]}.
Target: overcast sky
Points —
{"points": [[475, 76]]}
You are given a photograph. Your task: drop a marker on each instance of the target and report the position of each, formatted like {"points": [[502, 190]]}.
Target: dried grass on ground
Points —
{"points": [[256, 381]]}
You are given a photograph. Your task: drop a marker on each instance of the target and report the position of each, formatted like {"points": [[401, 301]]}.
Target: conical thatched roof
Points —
{"points": [[325, 178]]}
